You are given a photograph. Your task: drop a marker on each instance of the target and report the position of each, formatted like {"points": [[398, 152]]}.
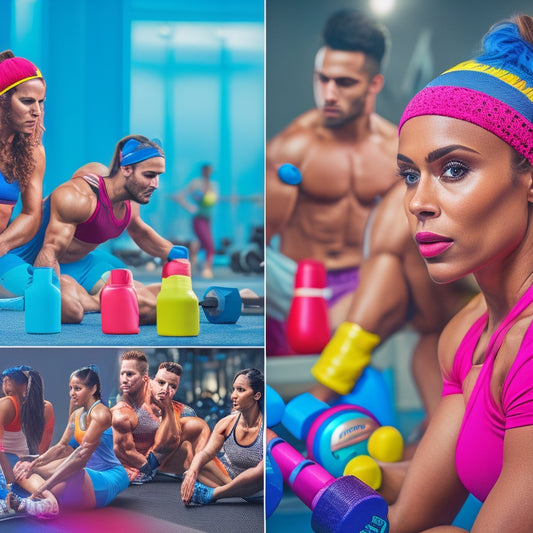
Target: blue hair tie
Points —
{"points": [[94, 368], [134, 151], [17, 373]]}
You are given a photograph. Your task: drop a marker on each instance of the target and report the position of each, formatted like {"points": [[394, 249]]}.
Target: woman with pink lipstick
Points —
{"points": [[22, 157], [240, 436], [466, 155]]}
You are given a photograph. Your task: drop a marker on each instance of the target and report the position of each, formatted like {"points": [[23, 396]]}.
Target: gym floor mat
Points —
{"points": [[247, 331], [152, 508]]}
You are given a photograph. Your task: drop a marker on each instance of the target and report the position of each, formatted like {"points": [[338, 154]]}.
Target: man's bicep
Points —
{"points": [[281, 197], [122, 430]]}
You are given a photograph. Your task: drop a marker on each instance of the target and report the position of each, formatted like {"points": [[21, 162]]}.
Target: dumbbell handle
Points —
{"points": [[306, 478], [250, 305], [338, 505], [209, 302]]}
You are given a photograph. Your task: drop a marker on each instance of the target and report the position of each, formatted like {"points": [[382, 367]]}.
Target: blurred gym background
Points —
{"points": [[188, 73], [426, 37]]}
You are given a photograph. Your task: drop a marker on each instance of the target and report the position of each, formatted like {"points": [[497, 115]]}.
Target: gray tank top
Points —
{"points": [[238, 458]]}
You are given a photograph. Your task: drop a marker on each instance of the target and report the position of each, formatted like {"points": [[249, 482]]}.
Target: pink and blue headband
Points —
{"points": [[497, 99]]}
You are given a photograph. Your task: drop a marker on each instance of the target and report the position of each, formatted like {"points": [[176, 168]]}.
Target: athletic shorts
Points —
{"points": [[93, 267], [108, 483]]}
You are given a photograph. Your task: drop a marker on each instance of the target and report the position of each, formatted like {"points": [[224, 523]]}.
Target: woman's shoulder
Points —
{"points": [[457, 328], [100, 414], [225, 425], [100, 409], [7, 404], [48, 408]]}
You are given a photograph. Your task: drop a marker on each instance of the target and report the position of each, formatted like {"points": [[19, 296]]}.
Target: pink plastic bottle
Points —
{"points": [[308, 329], [119, 305]]}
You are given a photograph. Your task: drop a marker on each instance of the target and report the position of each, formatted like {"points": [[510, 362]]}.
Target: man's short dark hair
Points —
{"points": [[170, 366], [352, 31]]}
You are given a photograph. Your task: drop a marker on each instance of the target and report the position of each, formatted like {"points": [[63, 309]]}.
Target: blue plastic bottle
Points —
{"points": [[42, 312]]}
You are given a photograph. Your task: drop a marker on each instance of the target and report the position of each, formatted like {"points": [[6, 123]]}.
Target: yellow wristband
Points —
{"points": [[345, 357]]}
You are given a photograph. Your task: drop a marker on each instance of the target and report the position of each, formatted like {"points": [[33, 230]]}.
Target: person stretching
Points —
{"points": [[152, 432], [81, 470], [26, 424], [240, 436]]}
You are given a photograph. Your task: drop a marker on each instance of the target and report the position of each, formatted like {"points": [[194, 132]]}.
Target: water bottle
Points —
{"points": [[42, 312], [308, 329], [118, 304], [177, 307]]}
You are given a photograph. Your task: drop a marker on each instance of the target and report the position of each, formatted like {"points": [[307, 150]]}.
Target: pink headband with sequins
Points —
{"points": [[493, 98]]}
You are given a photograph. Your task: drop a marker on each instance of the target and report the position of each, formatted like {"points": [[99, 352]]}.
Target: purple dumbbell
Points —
{"points": [[339, 505]]}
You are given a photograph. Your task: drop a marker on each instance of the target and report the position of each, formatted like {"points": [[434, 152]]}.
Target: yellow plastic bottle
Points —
{"points": [[177, 308]]}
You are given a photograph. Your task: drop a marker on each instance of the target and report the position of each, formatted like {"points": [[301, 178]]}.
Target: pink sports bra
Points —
{"points": [[479, 450], [102, 224]]}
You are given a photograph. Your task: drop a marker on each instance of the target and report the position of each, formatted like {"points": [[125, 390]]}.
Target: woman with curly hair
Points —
{"points": [[22, 156]]}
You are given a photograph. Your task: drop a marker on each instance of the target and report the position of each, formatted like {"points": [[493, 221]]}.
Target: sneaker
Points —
{"points": [[39, 508], [5, 510], [145, 475], [142, 478], [202, 495]]}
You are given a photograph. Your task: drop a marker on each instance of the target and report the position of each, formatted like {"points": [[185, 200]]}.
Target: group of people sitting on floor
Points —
{"points": [[103, 450]]}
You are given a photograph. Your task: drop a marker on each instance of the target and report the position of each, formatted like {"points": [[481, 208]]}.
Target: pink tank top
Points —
{"points": [[102, 224], [485, 421]]}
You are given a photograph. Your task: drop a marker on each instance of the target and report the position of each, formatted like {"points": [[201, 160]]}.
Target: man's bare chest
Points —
{"points": [[335, 172]]}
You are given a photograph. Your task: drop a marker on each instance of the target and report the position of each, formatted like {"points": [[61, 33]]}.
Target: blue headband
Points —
{"points": [[17, 373], [134, 151]]}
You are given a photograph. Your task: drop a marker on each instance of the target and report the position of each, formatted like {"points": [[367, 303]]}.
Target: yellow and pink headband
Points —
{"points": [[495, 94], [17, 70]]}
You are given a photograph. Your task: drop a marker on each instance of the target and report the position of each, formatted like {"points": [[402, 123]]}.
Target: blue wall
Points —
{"points": [[188, 73]]}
